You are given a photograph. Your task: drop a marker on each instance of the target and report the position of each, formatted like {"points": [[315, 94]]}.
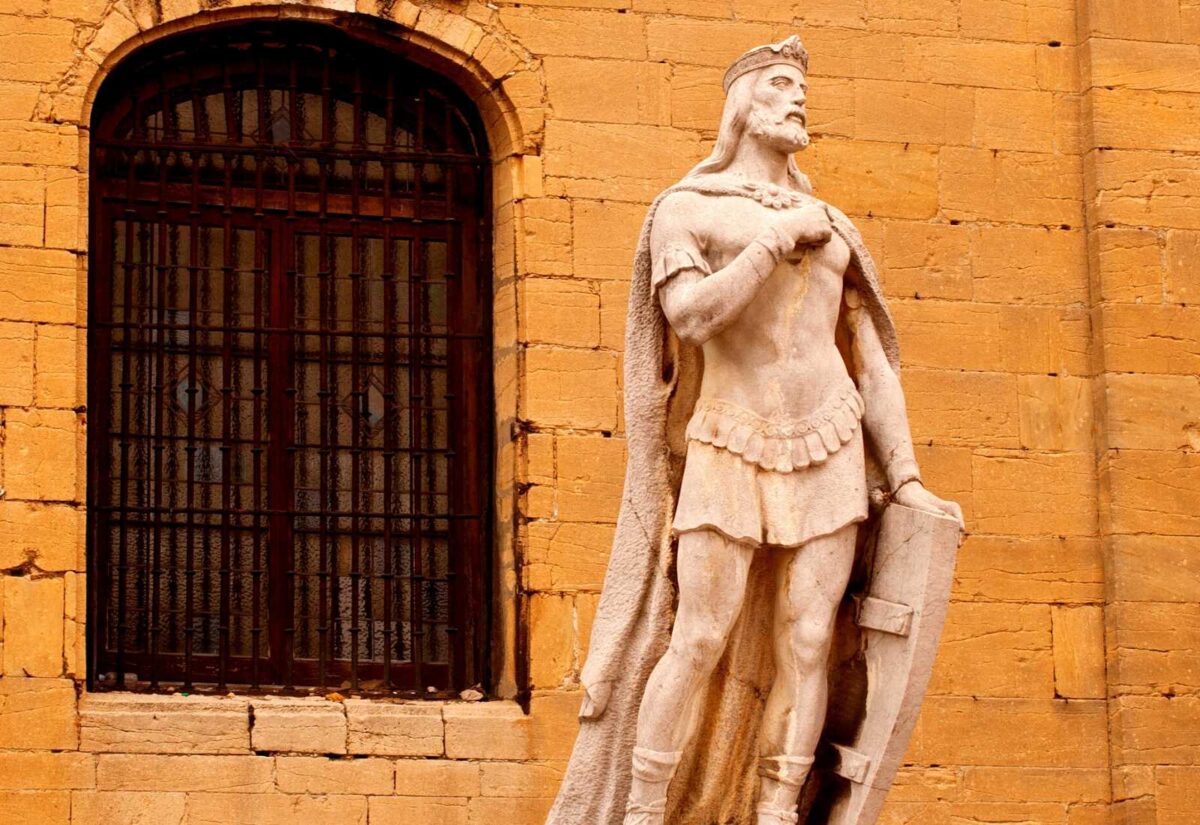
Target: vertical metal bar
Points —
{"points": [[265, 264], [390, 415], [358, 393], [326, 499], [189, 629], [416, 275], [126, 389], [229, 319]]}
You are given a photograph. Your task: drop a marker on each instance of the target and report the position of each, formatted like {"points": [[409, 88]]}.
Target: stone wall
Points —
{"points": [[1027, 173]]}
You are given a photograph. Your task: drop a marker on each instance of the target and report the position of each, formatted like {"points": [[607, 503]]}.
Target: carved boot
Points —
{"points": [[652, 772], [782, 777]]}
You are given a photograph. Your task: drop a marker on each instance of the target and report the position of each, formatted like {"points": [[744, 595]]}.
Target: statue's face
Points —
{"points": [[778, 115]]}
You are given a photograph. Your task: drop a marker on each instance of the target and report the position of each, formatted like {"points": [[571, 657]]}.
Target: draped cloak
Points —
{"points": [[716, 782]]}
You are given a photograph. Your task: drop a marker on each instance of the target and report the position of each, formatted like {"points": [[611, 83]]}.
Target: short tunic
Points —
{"points": [[774, 483]]}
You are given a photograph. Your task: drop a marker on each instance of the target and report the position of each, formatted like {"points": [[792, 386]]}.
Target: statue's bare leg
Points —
{"points": [[712, 583], [809, 591]]}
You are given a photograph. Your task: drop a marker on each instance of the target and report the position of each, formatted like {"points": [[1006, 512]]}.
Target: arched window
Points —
{"points": [[289, 359]]}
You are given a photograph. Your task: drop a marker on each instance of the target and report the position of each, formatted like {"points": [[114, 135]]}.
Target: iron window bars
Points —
{"points": [[289, 456]]}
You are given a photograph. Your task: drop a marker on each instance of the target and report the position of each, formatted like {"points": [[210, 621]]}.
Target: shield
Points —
{"points": [[890, 638]]}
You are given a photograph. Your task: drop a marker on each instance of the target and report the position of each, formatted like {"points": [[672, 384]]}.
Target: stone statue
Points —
{"points": [[759, 349]]}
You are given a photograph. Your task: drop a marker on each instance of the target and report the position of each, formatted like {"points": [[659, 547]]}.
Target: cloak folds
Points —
{"points": [[633, 621]]}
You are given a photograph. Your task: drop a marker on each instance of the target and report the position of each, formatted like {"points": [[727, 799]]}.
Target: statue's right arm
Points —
{"points": [[699, 304]]}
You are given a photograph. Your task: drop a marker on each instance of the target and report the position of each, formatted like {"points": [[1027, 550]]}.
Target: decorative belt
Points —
{"points": [[779, 445]]}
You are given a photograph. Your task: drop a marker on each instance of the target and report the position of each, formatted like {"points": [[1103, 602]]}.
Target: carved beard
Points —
{"points": [[779, 133]]}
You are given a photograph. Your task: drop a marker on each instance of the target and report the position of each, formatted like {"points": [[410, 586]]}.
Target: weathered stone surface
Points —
{"points": [[603, 233], [35, 807], [567, 556], [963, 408], [995, 650], [33, 626], [1153, 412], [1032, 733], [929, 260], [131, 723], [885, 179], [105, 807], [298, 726], [1178, 795], [37, 714], [1049, 570], [1079, 652], [16, 373], [392, 729], [275, 809], [1157, 730], [402, 810], [1154, 492], [1156, 648], [158, 773], [323, 775], [488, 730], [42, 771], [1035, 494], [570, 387], [1056, 412], [41, 454], [1151, 568], [560, 311], [437, 777], [1024, 187], [552, 639], [591, 471]]}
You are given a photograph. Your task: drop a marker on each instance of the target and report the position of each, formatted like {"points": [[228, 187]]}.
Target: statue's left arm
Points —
{"points": [[885, 418]]}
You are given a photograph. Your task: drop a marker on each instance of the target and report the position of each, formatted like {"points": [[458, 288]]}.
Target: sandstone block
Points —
{"points": [[1152, 339], [39, 285], [521, 779], [436, 777], [1129, 265], [1183, 268], [996, 650], [551, 639], [962, 408], [40, 454], [957, 61], [63, 197], [22, 205], [1165, 121], [567, 557], [554, 715], [570, 388], [1178, 795], [1035, 785], [546, 239], [1025, 187], [1150, 568], [37, 714], [43, 771], [1022, 494], [611, 91], [1056, 570], [1017, 20], [1155, 66], [1153, 412], [485, 810], [1146, 188], [1155, 648], [1029, 733], [33, 626], [1055, 412], [275, 809], [843, 13], [392, 729], [16, 373], [591, 473], [883, 179], [952, 335], [49, 535], [1016, 119], [938, 16], [1029, 265], [126, 807], [35, 807], [948, 471], [56, 146], [56, 378], [488, 730], [600, 161], [401, 810], [298, 726], [927, 260], [1156, 730], [560, 311], [322, 775], [1154, 492], [1079, 652], [903, 112], [696, 97], [614, 304], [674, 39], [577, 33], [158, 773], [132, 723], [1156, 20], [1045, 339], [605, 233]]}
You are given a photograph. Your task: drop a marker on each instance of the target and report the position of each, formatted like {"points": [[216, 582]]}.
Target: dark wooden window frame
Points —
{"points": [[131, 186]]}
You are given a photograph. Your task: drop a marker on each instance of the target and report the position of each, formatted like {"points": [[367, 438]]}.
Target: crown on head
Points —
{"points": [[786, 51]]}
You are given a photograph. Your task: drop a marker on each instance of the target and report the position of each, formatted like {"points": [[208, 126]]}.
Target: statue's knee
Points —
{"points": [[701, 647], [810, 641]]}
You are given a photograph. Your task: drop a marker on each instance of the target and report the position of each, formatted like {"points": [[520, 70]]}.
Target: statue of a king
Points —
{"points": [[759, 352]]}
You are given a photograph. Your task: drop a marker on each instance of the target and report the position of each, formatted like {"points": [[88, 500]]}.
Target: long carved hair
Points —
{"points": [[734, 117]]}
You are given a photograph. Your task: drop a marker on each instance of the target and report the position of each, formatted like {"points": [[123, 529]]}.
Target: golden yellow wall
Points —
{"points": [[1027, 172]]}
